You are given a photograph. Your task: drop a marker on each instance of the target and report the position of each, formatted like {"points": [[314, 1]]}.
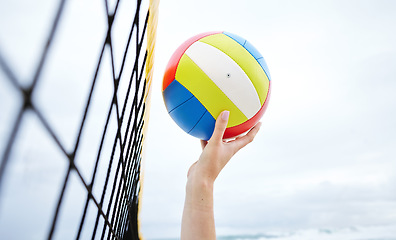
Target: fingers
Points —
{"points": [[248, 138], [220, 127]]}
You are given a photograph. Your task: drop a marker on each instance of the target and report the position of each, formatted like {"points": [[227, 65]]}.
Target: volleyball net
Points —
{"points": [[74, 101]]}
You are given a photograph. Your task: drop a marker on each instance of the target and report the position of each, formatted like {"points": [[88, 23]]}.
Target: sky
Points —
{"points": [[325, 154]]}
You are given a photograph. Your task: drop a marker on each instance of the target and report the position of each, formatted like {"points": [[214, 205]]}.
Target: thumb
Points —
{"points": [[220, 126]]}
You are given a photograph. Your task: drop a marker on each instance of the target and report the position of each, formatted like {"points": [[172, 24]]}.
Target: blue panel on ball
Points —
{"points": [[188, 114], [204, 128], [237, 38], [263, 64], [175, 94], [256, 54]]}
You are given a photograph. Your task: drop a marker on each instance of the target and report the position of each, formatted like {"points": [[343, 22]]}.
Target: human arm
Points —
{"points": [[198, 217]]}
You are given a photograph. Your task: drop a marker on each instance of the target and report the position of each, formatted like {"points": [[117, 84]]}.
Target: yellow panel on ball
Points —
{"points": [[202, 87], [244, 59]]}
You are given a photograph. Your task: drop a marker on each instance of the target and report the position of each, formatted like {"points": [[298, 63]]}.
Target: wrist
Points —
{"points": [[199, 193], [203, 184]]}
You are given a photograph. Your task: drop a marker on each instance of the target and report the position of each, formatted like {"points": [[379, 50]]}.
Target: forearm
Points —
{"points": [[198, 217]]}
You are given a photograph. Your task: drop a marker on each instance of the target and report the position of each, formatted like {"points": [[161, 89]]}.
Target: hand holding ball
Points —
{"points": [[212, 72]]}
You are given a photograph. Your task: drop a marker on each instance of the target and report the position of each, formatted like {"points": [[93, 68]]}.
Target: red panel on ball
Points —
{"points": [[170, 70], [241, 128]]}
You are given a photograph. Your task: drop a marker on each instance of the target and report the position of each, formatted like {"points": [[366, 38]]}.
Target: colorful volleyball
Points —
{"points": [[212, 72]]}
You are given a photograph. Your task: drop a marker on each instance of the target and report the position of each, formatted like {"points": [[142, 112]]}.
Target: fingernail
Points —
{"points": [[225, 115]]}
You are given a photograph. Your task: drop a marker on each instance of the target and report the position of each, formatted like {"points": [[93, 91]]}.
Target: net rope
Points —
{"points": [[118, 215]]}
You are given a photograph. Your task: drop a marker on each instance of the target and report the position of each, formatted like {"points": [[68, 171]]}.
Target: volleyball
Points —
{"points": [[212, 72]]}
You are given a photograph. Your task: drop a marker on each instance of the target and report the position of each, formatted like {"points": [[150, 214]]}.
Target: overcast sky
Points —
{"points": [[326, 153], [325, 156]]}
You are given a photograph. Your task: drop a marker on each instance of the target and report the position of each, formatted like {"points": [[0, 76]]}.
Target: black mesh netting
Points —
{"points": [[71, 114]]}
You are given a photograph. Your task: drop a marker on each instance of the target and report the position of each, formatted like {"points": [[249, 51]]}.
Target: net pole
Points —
{"points": [[151, 40]]}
